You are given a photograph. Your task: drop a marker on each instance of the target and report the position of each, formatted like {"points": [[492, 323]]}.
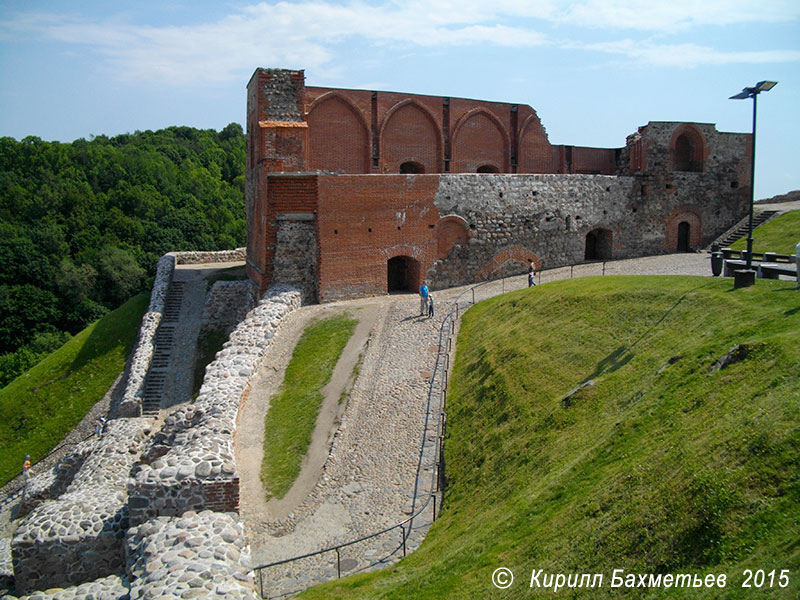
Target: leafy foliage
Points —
{"points": [[83, 224]]}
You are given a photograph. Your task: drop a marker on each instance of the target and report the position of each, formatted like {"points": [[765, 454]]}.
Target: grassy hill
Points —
{"points": [[780, 235], [663, 465], [42, 405]]}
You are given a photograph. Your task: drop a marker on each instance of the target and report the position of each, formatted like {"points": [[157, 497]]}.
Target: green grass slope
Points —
{"points": [[42, 405], [293, 411], [661, 466], [780, 235]]}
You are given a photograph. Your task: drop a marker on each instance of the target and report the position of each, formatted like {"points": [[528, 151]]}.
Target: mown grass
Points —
{"points": [[661, 466], [39, 408], [779, 235], [293, 411]]}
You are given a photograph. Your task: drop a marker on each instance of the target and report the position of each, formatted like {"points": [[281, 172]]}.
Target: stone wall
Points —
{"points": [[79, 536], [201, 257], [227, 304], [295, 261], [131, 403], [189, 465], [196, 555]]}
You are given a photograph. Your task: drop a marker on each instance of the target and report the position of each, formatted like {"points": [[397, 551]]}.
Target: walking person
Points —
{"points": [[423, 298], [430, 305], [531, 274]]}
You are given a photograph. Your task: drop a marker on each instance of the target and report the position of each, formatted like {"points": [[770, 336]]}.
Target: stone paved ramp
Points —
{"points": [[368, 480]]}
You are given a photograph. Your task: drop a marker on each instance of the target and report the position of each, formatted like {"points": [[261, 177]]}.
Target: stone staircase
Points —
{"points": [[164, 341], [739, 230]]}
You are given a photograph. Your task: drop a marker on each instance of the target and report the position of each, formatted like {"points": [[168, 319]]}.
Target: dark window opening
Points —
{"points": [[734, 184], [684, 229], [402, 274], [412, 168], [488, 169], [598, 245]]}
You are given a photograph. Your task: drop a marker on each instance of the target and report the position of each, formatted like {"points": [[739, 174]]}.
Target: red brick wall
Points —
{"points": [[480, 139], [536, 155], [365, 220], [339, 136], [410, 134], [594, 161]]}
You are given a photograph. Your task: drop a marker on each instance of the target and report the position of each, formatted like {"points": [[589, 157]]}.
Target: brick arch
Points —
{"points": [[690, 215], [339, 137], [451, 230], [515, 253], [479, 138], [410, 133], [416, 271], [535, 151], [687, 148]]}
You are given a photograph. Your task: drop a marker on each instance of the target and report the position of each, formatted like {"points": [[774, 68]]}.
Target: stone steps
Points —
{"points": [[163, 342], [740, 229]]}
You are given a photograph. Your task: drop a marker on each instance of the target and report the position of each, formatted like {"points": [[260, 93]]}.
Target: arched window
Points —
{"points": [[412, 167], [402, 274], [488, 169], [687, 152]]}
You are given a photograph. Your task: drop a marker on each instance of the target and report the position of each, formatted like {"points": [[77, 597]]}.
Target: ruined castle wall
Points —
{"points": [[79, 537], [189, 465], [365, 220]]}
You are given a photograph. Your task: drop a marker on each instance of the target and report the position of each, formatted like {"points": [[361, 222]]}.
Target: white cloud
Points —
{"points": [[660, 15], [307, 34], [688, 55]]}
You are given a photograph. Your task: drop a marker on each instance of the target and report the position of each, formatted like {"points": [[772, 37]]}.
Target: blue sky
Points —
{"points": [[594, 70]]}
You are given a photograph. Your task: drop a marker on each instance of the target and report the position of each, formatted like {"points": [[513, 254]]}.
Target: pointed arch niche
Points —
{"points": [[339, 138], [410, 135], [687, 149], [480, 141]]}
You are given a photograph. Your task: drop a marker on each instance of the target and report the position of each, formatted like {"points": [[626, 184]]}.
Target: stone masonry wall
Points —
{"points": [[295, 261], [189, 465], [131, 403], [196, 555], [544, 217], [79, 537]]}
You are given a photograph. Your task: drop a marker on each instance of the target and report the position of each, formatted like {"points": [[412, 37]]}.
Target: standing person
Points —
{"points": [[26, 468], [99, 426], [430, 305], [423, 298], [531, 274]]}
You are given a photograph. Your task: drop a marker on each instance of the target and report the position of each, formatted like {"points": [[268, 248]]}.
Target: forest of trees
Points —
{"points": [[83, 224]]}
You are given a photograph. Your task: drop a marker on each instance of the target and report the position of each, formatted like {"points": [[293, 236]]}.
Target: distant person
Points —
{"points": [[430, 305], [26, 468], [99, 426], [423, 298], [531, 274]]}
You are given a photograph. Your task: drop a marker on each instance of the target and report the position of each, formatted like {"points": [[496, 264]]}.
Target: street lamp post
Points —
{"points": [[752, 92]]}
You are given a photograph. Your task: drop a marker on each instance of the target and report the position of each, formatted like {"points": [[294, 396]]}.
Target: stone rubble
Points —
{"points": [[197, 555]]}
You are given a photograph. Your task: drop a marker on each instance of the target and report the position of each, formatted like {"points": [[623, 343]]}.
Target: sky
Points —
{"points": [[594, 70]]}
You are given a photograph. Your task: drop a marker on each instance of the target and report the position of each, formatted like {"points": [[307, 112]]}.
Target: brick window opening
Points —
{"points": [[402, 274], [488, 169], [687, 154], [412, 168]]}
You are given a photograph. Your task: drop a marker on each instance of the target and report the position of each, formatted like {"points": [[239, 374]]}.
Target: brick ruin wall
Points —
{"points": [[465, 228]]}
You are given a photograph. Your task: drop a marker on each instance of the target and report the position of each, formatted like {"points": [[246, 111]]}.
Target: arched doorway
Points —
{"points": [[684, 230], [412, 167], [598, 245], [402, 274]]}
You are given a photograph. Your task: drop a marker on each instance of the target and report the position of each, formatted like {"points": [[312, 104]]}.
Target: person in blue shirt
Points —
{"points": [[430, 305], [423, 298]]}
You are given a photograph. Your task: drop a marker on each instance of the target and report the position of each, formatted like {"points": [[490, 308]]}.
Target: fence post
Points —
{"points": [[434, 507], [261, 581], [338, 565], [403, 529], [473, 295], [604, 268]]}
